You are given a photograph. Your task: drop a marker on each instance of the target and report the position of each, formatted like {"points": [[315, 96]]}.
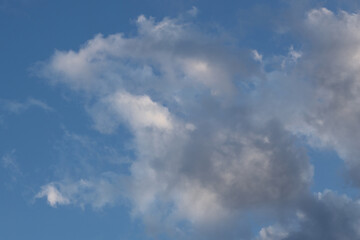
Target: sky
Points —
{"points": [[187, 119]]}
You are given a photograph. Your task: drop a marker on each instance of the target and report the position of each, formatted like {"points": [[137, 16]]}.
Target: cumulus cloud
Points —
{"points": [[200, 157], [205, 150]]}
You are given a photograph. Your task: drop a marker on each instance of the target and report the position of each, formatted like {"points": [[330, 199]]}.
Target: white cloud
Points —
{"points": [[295, 55], [168, 56], [97, 193], [272, 233], [257, 56], [137, 111], [53, 196], [193, 11]]}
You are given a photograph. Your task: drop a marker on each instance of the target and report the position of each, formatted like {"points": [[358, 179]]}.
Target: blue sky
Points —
{"points": [[185, 119]]}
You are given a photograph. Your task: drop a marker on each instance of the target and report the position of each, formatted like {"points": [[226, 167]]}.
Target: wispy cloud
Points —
{"points": [[17, 107], [10, 164], [97, 193]]}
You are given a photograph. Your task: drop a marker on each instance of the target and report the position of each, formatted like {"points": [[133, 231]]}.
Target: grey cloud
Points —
{"points": [[318, 97], [329, 216], [321, 91], [325, 215]]}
